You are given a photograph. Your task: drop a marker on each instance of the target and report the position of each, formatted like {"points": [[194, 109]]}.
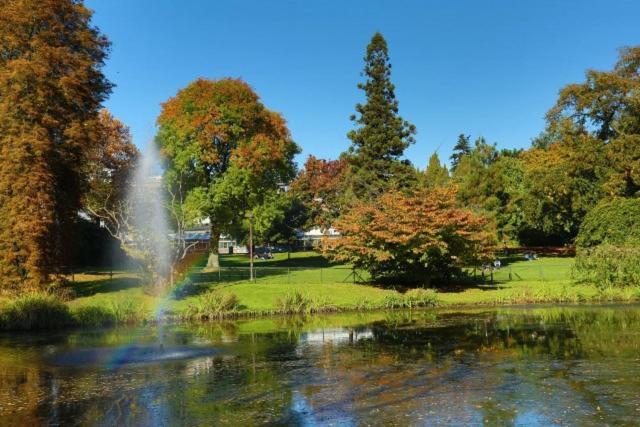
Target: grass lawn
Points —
{"points": [[518, 281]]}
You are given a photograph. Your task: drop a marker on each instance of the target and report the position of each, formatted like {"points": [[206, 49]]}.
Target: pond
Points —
{"points": [[532, 366]]}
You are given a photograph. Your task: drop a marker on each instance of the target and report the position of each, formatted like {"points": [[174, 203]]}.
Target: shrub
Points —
{"points": [[126, 312], [409, 238], [613, 221], [609, 266], [421, 298], [93, 316], [293, 303], [212, 305], [411, 299], [37, 310]]}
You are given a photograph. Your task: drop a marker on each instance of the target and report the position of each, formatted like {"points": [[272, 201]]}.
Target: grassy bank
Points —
{"points": [[304, 283]]}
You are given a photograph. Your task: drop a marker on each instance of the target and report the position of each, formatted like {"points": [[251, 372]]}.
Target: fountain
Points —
{"points": [[148, 233]]}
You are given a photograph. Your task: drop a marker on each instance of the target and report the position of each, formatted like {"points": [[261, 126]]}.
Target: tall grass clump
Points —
{"points": [[293, 303], [212, 305], [93, 316], [119, 312], [421, 298], [609, 266], [297, 303], [35, 310], [413, 298]]}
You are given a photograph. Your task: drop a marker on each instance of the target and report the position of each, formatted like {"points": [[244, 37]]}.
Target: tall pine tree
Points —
{"points": [[381, 135], [51, 88], [462, 148]]}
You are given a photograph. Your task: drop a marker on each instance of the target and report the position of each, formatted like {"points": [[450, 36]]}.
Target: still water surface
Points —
{"points": [[542, 366]]}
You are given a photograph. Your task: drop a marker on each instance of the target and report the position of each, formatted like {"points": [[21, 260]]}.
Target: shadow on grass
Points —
{"points": [[103, 285], [298, 259]]}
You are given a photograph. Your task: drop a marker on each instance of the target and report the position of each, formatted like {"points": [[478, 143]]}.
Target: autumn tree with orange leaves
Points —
{"points": [[419, 237], [320, 186], [225, 152], [51, 89]]}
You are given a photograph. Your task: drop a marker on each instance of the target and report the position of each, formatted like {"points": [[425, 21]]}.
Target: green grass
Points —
{"points": [[283, 285]]}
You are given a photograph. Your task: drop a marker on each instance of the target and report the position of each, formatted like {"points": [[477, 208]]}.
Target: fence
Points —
{"points": [[534, 272], [318, 275], [280, 275]]}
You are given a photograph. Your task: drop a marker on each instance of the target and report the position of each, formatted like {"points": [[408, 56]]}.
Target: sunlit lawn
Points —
{"points": [[315, 277]]}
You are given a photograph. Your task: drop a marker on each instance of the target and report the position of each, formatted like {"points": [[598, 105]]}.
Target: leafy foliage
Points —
{"points": [[609, 266], [562, 183], [52, 87], [418, 237], [614, 221], [320, 186], [35, 310], [225, 152], [436, 174]]}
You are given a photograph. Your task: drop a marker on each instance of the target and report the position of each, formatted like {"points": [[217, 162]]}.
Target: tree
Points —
{"points": [[320, 186], [607, 107], [109, 169], [279, 218], [612, 221], [462, 148], [472, 171], [416, 237], [561, 184], [51, 88], [436, 174], [381, 135], [227, 150]]}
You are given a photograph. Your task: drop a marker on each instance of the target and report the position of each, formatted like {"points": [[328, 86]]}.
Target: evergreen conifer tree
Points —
{"points": [[381, 135], [462, 148]]}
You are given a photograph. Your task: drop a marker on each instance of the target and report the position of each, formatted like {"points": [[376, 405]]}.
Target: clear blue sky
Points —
{"points": [[489, 68]]}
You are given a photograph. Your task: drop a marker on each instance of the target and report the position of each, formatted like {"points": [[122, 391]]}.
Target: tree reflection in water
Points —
{"points": [[517, 366]]}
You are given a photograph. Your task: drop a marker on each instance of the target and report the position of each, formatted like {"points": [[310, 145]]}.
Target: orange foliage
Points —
{"points": [[320, 186], [51, 89], [228, 124], [404, 233]]}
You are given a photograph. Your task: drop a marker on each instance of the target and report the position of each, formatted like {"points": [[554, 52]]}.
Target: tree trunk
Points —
{"points": [[213, 263]]}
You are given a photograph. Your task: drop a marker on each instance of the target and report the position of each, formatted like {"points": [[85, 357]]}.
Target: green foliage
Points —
{"points": [[381, 136], [94, 316], [436, 174], [278, 218], [609, 266], [37, 310], [211, 305], [225, 153], [113, 312], [421, 297], [613, 221], [293, 303], [492, 181], [461, 149], [562, 183], [413, 298], [606, 107]]}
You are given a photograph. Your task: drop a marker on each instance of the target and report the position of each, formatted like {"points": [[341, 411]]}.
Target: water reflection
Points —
{"points": [[498, 367]]}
